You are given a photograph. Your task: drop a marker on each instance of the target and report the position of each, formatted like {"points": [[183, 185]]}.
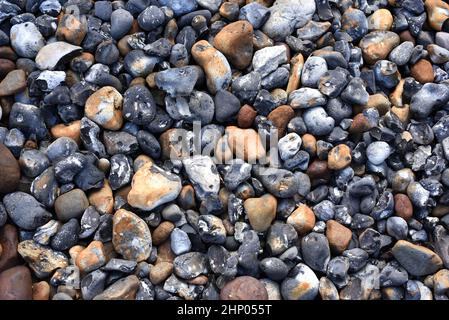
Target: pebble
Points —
{"points": [[215, 65], [42, 260], [104, 107], [25, 211], [339, 157], [52, 54], [268, 59], [301, 284], [338, 235], [315, 251], [26, 39], [131, 236], [235, 41], [16, 284], [180, 242], [92, 257], [203, 175], [122, 289], [14, 82], [261, 211], [244, 288], [408, 255], [152, 186], [371, 49], [71, 205], [377, 152]]}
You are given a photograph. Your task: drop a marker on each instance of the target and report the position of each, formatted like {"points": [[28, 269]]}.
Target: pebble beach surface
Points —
{"points": [[224, 149]]}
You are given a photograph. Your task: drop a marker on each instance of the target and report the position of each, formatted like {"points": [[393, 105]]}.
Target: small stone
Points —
{"points": [[151, 18], [102, 199], [261, 211], [190, 265], [354, 23], [235, 41], [180, 242], [279, 182], [211, 229], [314, 68], [302, 219], [25, 211], [338, 236], [162, 232], [377, 152], [245, 143], [318, 122], [380, 20], [121, 22], [42, 260], [315, 251], [215, 65], [152, 186], [55, 53], [422, 71], [430, 96], [92, 257], [417, 260], [268, 59], [131, 236], [254, 13], [71, 204], [105, 108], [67, 236], [16, 284], [178, 82], [160, 272], [123, 289], [403, 206], [339, 157], [28, 119], [371, 48], [306, 98], [203, 175], [402, 53], [301, 284], [289, 145], [244, 288]]}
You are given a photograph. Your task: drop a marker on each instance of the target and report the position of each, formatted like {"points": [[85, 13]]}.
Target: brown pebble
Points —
{"points": [[406, 36], [162, 232], [403, 206], [235, 42], [280, 117], [261, 211], [41, 290], [14, 82], [245, 143], [160, 272], [72, 28], [294, 81], [9, 171], [422, 71], [9, 240], [302, 219], [104, 107], [379, 102], [246, 116], [164, 253], [71, 130], [360, 124], [339, 157], [309, 144], [103, 199], [92, 257], [318, 169], [15, 284], [338, 235], [244, 288]]}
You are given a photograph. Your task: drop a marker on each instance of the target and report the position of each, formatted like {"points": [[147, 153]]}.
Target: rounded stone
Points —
{"points": [[244, 288], [9, 170], [261, 211], [339, 157], [71, 205], [104, 107], [16, 284]]}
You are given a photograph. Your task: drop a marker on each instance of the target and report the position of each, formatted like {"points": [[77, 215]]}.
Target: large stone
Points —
{"points": [[14, 82], [42, 260], [244, 288], [56, 53], [417, 260]]}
